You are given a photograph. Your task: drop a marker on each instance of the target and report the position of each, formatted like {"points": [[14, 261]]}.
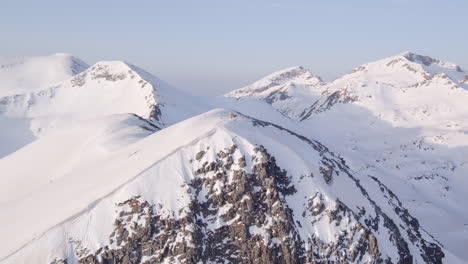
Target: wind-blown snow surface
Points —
{"points": [[26, 74], [113, 164], [23, 75]]}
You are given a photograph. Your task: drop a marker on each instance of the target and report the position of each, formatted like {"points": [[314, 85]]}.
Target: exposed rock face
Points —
{"points": [[249, 199], [426, 60], [246, 204], [277, 96], [233, 192], [341, 96]]}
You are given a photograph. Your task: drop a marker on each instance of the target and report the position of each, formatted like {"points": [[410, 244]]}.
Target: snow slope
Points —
{"points": [[106, 88], [404, 120], [19, 75], [85, 210], [113, 165]]}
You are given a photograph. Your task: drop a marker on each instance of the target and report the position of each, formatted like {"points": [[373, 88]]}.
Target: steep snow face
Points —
{"points": [[25, 74], [105, 88], [233, 188], [403, 119]]}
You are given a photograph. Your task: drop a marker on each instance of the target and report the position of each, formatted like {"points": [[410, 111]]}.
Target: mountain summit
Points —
{"points": [[113, 165], [402, 117], [221, 189], [106, 88], [278, 82], [297, 93]]}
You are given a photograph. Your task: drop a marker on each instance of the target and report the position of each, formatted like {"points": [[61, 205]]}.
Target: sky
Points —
{"points": [[209, 47]]}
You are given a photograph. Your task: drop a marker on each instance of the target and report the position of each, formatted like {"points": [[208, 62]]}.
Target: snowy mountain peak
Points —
{"points": [[382, 84], [120, 70], [280, 81], [288, 75], [233, 184], [110, 71], [105, 88], [113, 165], [413, 66], [298, 72]]}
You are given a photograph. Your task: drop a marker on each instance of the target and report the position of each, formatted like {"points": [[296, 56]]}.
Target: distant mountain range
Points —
{"points": [[109, 164]]}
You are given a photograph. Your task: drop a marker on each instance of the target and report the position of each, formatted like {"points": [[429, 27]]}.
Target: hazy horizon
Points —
{"points": [[211, 47]]}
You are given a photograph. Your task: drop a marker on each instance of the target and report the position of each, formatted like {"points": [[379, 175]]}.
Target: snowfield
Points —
{"points": [[109, 164]]}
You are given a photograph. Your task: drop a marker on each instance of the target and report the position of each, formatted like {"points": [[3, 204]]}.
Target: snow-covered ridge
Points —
{"points": [[296, 93], [402, 117], [106, 88], [279, 80], [428, 61], [284, 89], [235, 183], [116, 165], [409, 66]]}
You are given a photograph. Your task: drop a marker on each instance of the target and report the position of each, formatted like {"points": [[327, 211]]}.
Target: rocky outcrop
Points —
{"points": [[239, 214], [243, 207], [343, 96], [257, 224]]}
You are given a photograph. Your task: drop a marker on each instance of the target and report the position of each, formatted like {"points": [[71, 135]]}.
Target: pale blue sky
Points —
{"points": [[213, 46]]}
